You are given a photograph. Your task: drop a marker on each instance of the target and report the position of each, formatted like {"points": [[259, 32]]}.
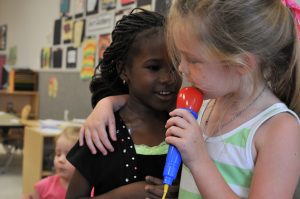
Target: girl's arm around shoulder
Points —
{"points": [[277, 166], [93, 131]]}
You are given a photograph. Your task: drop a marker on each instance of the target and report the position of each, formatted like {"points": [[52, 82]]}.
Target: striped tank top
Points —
{"points": [[231, 153]]}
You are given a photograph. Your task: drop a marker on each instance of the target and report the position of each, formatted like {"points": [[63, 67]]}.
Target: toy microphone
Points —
{"points": [[191, 99]]}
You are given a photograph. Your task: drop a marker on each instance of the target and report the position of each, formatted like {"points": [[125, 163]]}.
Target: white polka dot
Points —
{"points": [[134, 176], [126, 180], [127, 165], [132, 158], [131, 146], [124, 151]]}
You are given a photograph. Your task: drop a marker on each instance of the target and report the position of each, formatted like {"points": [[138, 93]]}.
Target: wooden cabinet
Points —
{"points": [[37, 160], [16, 100]]}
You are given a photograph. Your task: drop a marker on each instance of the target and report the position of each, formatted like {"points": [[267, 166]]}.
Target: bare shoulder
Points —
{"points": [[278, 157], [283, 127]]}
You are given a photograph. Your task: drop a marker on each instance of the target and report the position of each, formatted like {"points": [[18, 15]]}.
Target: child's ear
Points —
{"points": [[122, 71], [248, 63]]}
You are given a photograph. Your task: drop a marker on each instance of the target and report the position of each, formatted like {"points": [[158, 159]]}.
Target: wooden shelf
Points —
{"points": [[5, 92], [36, 143], [18, 99]]}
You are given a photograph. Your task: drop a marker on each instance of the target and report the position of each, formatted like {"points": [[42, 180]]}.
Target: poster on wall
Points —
{"points": [[57, 32], [52, 87], [108, 4], [46, 58], [88, 61], [64, 6], [78, 32], [99, 24], [67, 30], [91, 7], [103, 42], [3, 34], [71, 57], [78, 7], [57, 58], [12, 56], [3, 72]]}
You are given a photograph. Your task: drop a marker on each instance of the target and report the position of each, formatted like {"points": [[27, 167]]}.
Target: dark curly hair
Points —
{"points": [[106, 80]]}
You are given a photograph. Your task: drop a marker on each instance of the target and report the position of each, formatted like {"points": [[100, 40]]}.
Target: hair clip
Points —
{"points": [[295, 8]]}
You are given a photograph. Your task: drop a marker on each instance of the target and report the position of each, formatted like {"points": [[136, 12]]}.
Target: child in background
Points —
{"points": [[136, 63], [55, 186], [244, 56]]}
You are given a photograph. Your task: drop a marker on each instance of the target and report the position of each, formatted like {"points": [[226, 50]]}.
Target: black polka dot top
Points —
{"points": [[118, 168]]}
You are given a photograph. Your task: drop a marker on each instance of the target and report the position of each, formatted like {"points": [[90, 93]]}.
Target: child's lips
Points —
{"points": [[165, 95]]}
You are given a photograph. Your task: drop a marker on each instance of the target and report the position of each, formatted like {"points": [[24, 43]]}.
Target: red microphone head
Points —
{"points": [[189, 97]]}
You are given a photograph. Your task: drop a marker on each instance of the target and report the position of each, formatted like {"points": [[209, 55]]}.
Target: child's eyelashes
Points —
{"points": [[154, 67], [190, 60]]}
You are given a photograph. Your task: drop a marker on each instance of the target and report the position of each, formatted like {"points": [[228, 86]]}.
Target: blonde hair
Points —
{"points": [[71, 133], [228, 29]]}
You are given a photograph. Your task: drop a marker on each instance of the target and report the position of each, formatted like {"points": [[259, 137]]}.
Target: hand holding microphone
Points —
{"points": [[191, 99]]}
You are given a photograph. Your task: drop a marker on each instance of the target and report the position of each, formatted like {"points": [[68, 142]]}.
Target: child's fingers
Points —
{"points": [[112, 129], [100, 139], [176, 121], [89, 142], [176, 141], [183, 113], [154, 191], [175, 130], [97, 142], [153, 180], [81, 136]]}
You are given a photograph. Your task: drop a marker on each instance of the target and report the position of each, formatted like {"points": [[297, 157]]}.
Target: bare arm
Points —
{"points": [[152, 188], [277, 167], [79, 187], [94, 130]]}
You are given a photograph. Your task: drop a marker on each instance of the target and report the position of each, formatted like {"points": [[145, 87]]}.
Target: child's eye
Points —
{"points": [[153, 67], [192, 61]]}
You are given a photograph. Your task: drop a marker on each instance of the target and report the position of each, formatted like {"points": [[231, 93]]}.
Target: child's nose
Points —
{"points": [[166, 76], [62, 158]]}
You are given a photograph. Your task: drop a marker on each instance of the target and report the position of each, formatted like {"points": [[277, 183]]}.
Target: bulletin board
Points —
{"points": [[72, 94]]}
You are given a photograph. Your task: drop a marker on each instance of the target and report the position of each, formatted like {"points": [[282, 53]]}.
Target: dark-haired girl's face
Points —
{"points": [[151, 77]]}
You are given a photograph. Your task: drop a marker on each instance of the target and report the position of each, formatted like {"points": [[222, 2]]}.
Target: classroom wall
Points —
{"points": [[30, 28], [73, 95]]}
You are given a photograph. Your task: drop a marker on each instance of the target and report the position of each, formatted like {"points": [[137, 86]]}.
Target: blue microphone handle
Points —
{"points": [[173, 160]]}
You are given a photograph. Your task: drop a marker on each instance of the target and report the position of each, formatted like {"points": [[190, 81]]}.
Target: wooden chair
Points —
{"points": [[13, 140]]}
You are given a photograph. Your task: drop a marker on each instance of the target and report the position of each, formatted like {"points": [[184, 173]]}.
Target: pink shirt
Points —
{"points": [[50, 188]]}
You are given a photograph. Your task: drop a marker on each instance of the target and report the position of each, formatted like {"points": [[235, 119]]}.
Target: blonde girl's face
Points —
{"points": [[62, 166], [207, 73]]}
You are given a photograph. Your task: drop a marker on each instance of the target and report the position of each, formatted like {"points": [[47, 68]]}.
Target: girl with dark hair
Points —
{"points": [[137, 64]]}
